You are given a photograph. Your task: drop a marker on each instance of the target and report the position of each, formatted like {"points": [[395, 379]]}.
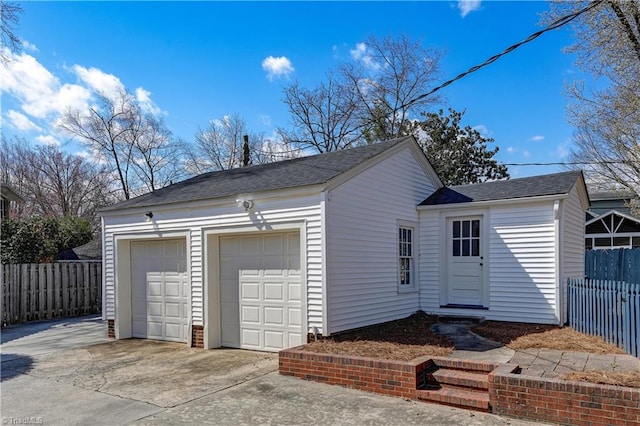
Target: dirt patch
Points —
{"points": [[524, 336], [402, 340]]}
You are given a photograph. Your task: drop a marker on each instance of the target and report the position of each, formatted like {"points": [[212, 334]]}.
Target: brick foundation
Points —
{"points": [[197, 336], [111, 329], [561, 401], [387, 377]]}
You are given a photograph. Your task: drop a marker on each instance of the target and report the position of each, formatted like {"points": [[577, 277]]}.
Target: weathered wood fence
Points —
{"points": [[609, 309], [33, 292], [616, 265]]}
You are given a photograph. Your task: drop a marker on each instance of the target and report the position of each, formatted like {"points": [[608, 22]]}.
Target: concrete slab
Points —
{"points": [[46, 337], [49, 402], [279, 400], [149, 371]]}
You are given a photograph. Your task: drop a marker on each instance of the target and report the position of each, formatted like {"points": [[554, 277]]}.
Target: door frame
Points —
{"points": [[485, 236], [122, 278], [211, 272]]}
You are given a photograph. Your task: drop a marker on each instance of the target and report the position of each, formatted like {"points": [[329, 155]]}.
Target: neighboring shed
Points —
{"points": [[503, 250], [258, 257]]}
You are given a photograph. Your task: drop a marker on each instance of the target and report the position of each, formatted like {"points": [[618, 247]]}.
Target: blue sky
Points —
{"points": [[196, 61]]}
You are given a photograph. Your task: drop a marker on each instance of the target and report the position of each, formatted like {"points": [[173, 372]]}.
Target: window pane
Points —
{"points": [[408, 251], [409, 232], [456, 229], [465, 247], [465, 228], [456, 247], [475, 247], [602, 242], [475, 228]]}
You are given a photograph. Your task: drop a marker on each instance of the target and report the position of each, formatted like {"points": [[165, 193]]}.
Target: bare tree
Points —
{"points": [[54, 183], [390, 75], [370, 98], [606, 116], [136, 145], [219, 146], [9, 18]]}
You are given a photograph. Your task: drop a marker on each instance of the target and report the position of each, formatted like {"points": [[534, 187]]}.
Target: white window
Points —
{"points": [[405, 257]]}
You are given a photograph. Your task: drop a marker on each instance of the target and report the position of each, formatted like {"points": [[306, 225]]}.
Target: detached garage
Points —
{"points": [[264, 256]]}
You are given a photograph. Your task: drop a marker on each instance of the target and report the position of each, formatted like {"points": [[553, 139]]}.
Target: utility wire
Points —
{"points": [[555, 24], [567, 163]]}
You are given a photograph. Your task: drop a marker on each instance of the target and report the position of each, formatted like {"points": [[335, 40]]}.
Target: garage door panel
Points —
{"points": [[266, 286], [295, 339], [250, 314], [160, 290], [274, 291], [295, 317]]}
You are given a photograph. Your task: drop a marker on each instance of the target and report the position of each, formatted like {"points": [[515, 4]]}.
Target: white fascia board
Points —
{"points": [[217, 202], [488, 203]]}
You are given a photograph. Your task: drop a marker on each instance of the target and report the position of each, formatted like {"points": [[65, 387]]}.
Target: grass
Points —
{"points": [[411, 337]]}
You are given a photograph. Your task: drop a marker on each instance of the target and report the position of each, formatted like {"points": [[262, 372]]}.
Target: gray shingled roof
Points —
{"points": [[304, 171], [535, 186]]}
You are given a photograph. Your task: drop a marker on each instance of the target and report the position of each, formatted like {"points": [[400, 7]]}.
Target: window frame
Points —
{"points": [[412, 245]]}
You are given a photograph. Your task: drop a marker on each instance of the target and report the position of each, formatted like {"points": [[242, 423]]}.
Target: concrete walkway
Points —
{"points": [[534, 362]]}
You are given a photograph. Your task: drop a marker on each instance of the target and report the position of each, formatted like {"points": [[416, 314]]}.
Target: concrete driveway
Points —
{"points": [[144, 382]]}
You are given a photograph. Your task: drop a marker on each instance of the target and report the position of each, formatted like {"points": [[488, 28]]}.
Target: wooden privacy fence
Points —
{"points": [[39, 291], [609, 309], [616, 265]]}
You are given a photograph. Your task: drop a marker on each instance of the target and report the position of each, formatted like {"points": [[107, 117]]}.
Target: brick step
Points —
{"points": [[460, 379], [457, 398]]}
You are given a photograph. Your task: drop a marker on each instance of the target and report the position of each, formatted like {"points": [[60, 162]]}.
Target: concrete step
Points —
{"points": [[460, 379], [457, 398]]}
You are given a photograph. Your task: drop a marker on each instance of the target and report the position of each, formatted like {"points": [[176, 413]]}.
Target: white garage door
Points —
{"points": [[260, 291], [159, 290]]}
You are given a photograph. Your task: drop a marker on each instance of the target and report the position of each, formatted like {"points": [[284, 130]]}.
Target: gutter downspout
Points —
{"points": [[557, 214]]}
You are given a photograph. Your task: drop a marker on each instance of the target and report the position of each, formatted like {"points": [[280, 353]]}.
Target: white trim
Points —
{"points": [[211, 235], [122, 276], [104, 271], [227, 201], [415, 244], [485, 237], [610, 212], [483, 204], [557, 223], [325, 197]]}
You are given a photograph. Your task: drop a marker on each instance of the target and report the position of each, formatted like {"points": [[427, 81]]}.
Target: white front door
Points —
{"points": [[465, 285], [159, 290], [261, 291]]}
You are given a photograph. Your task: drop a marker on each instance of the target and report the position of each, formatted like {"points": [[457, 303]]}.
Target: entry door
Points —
{"points": [[465, 284]]}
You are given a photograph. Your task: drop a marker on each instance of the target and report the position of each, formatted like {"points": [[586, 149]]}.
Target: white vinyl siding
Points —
{"points": [[196, 220], [522, 263], [363, 215]]}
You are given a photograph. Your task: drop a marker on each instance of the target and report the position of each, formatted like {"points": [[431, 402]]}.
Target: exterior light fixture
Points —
{"points": [[246, 204], [149, 216]]}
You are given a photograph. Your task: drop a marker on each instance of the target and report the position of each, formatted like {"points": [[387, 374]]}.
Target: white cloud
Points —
{"points": [[360, 54], [467, 6], [277, 67], [265, 119], [525, 154], [48, 140], [29, 46], [144, 100], [536, 138], [511, 150], [22, 122], [484, 130], [99, 81], [40, 93]]}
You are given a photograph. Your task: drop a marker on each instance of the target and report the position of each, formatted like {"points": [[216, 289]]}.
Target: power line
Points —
{"points": [[567, 163], [555, 24]]}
